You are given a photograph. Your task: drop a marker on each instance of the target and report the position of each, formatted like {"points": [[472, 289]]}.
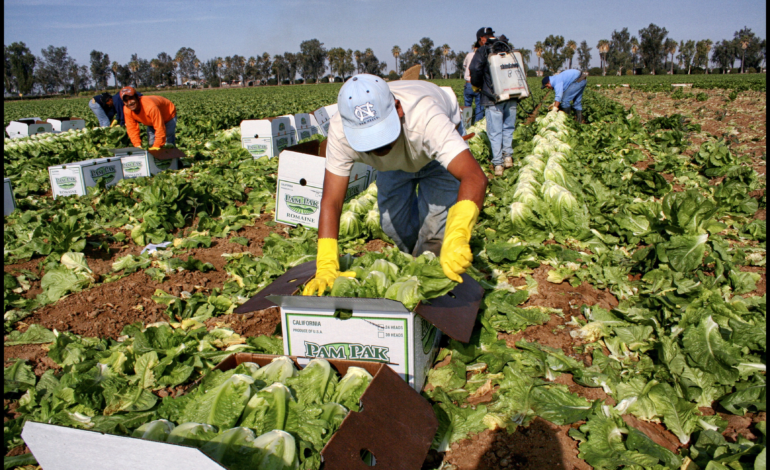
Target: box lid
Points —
{"points": [[454, 313], [167, 154], [127, 151]]}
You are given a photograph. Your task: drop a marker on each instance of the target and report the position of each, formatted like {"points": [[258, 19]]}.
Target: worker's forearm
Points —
{"points": [[329, 223], [473, 188]]}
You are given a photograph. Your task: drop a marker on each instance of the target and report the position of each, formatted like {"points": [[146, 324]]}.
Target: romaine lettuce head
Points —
{"points": [[555, 172], [268, 409], [551, 191], [372, 189], [315, 384], [530, 173], [406, 291], [521, 216], [359, 206], [247, 368], [376, 283], [333, 413], [233, 448], [345, 287], [278, 370], [350, 225], [385, 267], [534, 161], [192, 434], [276, 450], [221, 405], [157, 430], [351, 387]]}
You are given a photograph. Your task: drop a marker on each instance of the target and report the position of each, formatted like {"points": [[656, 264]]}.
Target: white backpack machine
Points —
{"points": [[506, 68]]}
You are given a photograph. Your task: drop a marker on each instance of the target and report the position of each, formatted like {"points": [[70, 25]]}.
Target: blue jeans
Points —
{"points": [[104, 120], [413, 206], [573, 92], [501, 121], [170, 133], [470, 95]]}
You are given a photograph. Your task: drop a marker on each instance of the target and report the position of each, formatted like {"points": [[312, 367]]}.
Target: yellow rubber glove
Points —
{"points": [[114, 123], [476, 89], [456, 254], [327, 268], [154, 148]]}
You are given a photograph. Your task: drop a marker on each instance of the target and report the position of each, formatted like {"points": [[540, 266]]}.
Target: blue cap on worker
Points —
{"points": [[546, 81], [368, 112]]}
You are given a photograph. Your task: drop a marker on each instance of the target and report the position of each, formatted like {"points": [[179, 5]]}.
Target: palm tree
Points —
{"points": [[634, 50], [252, 62], [670, 47], [571, 44], [708, 43], [115, 67], [357, 55], [744, 46], [220, 63], [539, 48], [197, 66], [604, 48], [396, 51], [133, 66], [445, 50]]}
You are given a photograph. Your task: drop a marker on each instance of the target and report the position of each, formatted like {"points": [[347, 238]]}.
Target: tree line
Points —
{"points": [[54, 71], [655, 52]]}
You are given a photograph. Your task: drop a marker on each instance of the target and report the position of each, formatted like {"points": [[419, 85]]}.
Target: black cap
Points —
{"points": [[546, 81], [484, 32], [106, 96]]}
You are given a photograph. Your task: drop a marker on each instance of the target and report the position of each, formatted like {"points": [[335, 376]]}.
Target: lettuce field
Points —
{"points": [[623, 261]]}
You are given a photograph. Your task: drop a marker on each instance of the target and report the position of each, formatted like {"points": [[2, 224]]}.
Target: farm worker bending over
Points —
{"points": [[469, 93], [109, 108], [407, 130], [569, 86], [155, 112]]}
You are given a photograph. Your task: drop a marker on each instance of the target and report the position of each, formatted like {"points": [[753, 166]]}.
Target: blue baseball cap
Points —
{"points": [[368, 112]]}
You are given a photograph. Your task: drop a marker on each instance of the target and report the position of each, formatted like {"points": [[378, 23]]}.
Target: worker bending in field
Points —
{"points": [[155, 112], [569, 87], [407, 130], [109, 109]]}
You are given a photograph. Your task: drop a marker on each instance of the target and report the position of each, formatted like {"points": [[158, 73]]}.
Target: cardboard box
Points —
{"points": [[390, 410], [74, 178], [467, 116], [380, 330], [64, 124], [138, 162], [303, 125], [301, 171], [9, 202], [269, 136], [26, 127], [323, 116]]}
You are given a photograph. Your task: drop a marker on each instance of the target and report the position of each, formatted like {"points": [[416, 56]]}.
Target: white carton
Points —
{"points": [[267, 137], [467, 116], [9, 202], [26, 127], [324, 116], [302, 124], [380, 330], [301, 172], [64, 124], [74, 178], [138, 162]]}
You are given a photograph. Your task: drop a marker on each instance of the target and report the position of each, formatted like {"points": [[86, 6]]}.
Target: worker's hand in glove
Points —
{"points": [[327, 268], [154, 148], [456, 254], [476, 89], [114, 123], [555, 106]]}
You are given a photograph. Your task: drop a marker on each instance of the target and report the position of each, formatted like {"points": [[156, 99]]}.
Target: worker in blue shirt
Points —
{"points": [[108, 109], [568, 86]]}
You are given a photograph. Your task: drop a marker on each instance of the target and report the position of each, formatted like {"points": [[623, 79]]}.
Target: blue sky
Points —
{"points": [[228, 27]]}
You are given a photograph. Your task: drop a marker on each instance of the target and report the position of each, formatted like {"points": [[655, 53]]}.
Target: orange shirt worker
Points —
{"points": [[155, 112]]}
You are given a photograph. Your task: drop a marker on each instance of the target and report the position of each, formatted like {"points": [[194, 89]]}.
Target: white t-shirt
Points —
{"points": [[428, 132], [467, 65]]}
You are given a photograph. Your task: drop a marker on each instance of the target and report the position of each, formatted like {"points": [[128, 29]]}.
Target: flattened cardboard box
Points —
{"points": [[64, 124], [389, 411], [467, 115], [9, 202], [26, 127], [138, 162], [74, 178], [267, 137], [380, 330], [301, 171]]}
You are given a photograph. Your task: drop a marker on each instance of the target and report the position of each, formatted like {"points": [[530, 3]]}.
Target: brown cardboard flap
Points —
{"points": [[287, 284], [455, 313], [312, 147], [167, 154], [395, 424]]}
